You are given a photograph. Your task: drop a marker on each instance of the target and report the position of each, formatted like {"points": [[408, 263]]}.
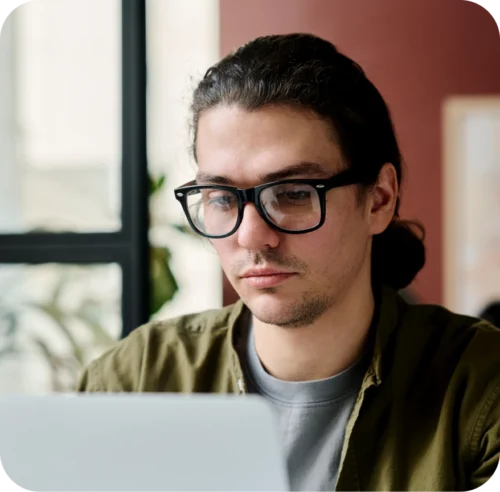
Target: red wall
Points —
{"points": [[417, 53]]}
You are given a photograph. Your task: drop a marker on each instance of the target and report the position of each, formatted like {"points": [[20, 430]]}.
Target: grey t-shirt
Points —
{"points": [[312, 417]]}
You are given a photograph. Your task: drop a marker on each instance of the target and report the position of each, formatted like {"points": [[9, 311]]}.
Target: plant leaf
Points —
{"points": [[156, 184], [163, 283], [88, 313], [60, 319]]}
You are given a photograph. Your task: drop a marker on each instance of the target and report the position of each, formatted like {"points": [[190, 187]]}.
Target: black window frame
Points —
{"points": [[129, 247]]}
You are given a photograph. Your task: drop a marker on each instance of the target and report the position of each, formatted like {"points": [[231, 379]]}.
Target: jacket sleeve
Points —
{"points": [[485, 442], [90, 380], [118, 370]]}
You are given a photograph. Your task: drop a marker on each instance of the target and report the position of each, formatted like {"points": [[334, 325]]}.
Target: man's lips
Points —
{"points": [[262, 272], [266, 277]]}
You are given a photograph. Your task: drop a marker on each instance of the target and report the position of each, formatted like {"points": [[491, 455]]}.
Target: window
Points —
{"points": [[74, 258], [54, 320]]}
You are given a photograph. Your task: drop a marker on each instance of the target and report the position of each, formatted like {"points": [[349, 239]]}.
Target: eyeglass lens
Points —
{"points": [[290, 206]]}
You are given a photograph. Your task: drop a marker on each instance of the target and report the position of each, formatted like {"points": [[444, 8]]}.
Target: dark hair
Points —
{"points": [[491, 313], [305, 71]]}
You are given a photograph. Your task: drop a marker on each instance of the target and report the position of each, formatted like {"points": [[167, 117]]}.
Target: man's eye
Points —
{"points": [[221, 199], [298, 195]]}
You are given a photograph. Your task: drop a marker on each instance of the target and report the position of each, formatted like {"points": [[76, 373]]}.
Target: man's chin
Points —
{"points": [[269, 307], [286, 309], [270, 295]]}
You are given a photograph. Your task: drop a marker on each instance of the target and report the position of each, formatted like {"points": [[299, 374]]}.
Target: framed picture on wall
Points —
{"points": [[471, 191]]}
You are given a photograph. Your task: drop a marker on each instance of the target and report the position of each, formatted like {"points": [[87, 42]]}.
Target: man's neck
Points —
{"points": [[322, 349]]}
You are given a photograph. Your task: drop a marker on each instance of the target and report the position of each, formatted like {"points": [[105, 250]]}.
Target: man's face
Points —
{"points": [[245, 148]]}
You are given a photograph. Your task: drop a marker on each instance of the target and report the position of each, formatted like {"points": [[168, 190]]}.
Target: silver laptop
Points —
{"points": [[140, 442]]}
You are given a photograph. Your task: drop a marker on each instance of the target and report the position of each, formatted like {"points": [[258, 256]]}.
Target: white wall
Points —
{"points": [[471, 184], [183, 42]]}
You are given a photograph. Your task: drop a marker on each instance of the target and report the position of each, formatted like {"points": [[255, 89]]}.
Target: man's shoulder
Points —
{"points": [[442, 329], [454, 346], [146, 351], [435, 320], [211, 322]]}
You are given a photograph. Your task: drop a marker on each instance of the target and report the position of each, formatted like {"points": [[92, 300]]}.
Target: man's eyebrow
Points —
{"points": [[303, 169]]}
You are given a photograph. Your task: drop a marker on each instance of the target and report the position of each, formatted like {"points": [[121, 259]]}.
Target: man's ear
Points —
{"points": [[383, 199]]}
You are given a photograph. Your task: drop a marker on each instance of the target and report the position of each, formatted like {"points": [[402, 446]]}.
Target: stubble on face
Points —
{"points": [[304, 310]]}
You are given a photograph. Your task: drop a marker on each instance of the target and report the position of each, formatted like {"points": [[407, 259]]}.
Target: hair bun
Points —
{"points": [[398, 253]]}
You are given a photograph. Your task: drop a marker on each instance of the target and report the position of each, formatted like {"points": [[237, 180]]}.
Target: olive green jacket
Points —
{"points": [[427, 416]]}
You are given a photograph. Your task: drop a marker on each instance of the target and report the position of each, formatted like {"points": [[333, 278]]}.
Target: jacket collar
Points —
{"points": [[384, 323]]}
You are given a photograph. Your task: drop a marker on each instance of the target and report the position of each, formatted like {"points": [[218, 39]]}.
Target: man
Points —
{"points": [[298, 186]]}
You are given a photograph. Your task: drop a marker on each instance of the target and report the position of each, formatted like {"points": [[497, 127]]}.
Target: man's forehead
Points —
{"points": [[303, 169], [267, 144], [284, 130]]}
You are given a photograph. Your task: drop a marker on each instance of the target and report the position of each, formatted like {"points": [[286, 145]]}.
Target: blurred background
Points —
{"points": [[94, 135]]}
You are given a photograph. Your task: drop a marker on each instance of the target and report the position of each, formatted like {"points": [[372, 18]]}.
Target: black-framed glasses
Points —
{"points": [[293, 206]]}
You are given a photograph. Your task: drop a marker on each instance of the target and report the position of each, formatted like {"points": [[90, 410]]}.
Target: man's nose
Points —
{"points": [[254, 232]]}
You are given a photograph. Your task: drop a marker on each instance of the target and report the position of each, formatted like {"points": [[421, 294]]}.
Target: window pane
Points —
{"points": [[55, 319], [60, 117]]}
